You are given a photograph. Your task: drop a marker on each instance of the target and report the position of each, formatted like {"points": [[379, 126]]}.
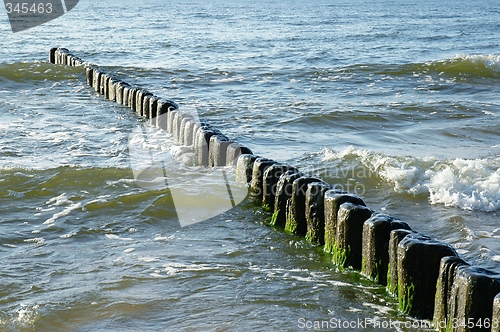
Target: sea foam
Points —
{"points": [[470, 184]]}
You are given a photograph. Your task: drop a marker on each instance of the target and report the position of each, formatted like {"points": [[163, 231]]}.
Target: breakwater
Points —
{"points": [[428, 277]]}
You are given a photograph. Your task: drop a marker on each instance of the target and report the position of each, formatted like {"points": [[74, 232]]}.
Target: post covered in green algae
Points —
{"points": [[472, 297], [296, 211], [315, 211], [257, 185], [334, 198], [270, 182], [284, 190], [376, 235], [348, 245], [442, 304], [392, 273], [419, 259]]}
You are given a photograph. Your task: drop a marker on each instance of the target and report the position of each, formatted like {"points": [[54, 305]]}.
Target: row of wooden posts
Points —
{"points": [[427, 276]]}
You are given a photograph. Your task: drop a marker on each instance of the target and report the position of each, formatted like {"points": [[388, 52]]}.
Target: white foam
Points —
{"points": [[116, 237], [67, 236], [470, 184], [489, 61], [163, 238], [59, 200], [63, 213], [148, 259], [36, 240], [156, 275], [112, 236], [26, 316]]}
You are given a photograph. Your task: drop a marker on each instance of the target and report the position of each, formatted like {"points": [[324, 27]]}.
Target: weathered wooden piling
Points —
{"points": [[103, 88], [132, 94], [270, 181], [419, 258], [472, 297], [182, 129], [96, 80], [89, 73], [442, 304], [126, 92], [139, 104], [234, 150], [153, 110], [257, 184], [176, 125], [189, 131], [392, 274], [111, 92], [376, 235], [296, 209], [145, 105], [333, 200], [202, 143], [244, 168], [52, 55], [162, 108], [170, 121], [119, 89], [496, 314], [284, 191], [217, 150], [348, 244], [315, 211]]}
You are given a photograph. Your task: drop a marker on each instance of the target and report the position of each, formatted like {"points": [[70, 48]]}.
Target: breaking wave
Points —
{"points": [[470, 184]]}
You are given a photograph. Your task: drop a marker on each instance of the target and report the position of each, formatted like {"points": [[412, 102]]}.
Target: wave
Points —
{"points": [[464, 67], [459, 68], [469, 184], [37, 71]]}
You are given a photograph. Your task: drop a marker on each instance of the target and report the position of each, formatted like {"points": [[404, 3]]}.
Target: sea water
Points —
{"points": [[397, 101]]}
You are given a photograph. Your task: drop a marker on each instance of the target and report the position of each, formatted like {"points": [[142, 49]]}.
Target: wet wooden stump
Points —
{"points": [[284, 191], [244, 168], [257, 184], [419, 258], [270, 182], [334, 198], [234, 151], [296, 209], [348, 245], [376, 234], [315, 211]]}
